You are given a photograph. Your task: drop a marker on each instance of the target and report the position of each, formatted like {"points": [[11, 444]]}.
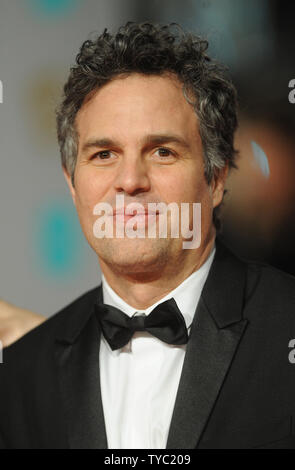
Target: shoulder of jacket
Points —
{"points": [[39, 337]]}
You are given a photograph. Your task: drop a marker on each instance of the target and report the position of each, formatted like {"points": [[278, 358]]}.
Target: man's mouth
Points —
{"points": [[138, 216]]}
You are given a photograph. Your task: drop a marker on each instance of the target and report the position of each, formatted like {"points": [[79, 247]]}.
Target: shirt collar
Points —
{"points": [[186, 295]]}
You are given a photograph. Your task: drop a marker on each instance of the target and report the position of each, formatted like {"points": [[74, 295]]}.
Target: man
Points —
{"points": [[179, 347]]}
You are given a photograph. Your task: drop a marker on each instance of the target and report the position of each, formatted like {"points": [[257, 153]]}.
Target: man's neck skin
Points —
{"points": [[142, 293]]}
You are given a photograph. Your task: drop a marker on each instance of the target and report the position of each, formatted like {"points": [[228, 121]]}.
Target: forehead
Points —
{"points": [[137, 104]]}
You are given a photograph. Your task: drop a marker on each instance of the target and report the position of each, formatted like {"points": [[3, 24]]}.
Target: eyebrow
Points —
{"points": [[93, 143], [151, 139], [160, 139]]}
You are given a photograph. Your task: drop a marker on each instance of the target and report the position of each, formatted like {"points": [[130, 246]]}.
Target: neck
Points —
{"points": [[141, 293]]}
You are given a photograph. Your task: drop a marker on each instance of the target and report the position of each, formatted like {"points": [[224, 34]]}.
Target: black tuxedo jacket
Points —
{"points": [[237, 388]]}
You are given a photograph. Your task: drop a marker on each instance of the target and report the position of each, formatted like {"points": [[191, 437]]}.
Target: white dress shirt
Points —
{"points": [[139, 382]]}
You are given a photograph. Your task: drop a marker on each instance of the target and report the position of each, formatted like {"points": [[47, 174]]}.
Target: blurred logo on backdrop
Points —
{"points": [[57, 240], [41, 96], [52, 8], [260, 159]]}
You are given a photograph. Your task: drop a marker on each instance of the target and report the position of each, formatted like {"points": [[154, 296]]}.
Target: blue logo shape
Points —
{"points": [[261, 159], [53, 7], [58, 240]]}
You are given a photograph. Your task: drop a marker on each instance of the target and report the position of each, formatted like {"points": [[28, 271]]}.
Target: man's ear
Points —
{"points": [[217, 185], [69, 183]]}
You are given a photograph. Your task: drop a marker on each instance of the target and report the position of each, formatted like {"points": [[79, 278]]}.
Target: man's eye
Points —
{"points": [[102, 155], [163, 152]]}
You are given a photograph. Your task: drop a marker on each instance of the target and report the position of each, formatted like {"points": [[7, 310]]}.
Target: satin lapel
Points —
{"points": [[208, 357], [215, 335], [79, 378]]}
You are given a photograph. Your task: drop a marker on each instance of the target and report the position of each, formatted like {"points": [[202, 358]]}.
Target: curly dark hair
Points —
{"points": [[154, 49]]}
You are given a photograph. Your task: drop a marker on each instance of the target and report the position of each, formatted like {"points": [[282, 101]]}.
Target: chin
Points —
{"points": [[136, 255]]}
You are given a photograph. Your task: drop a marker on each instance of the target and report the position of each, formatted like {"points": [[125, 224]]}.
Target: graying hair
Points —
{"points": [[153, 49]]}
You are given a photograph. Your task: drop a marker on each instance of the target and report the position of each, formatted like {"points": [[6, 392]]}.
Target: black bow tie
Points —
{"points": [[164, 322]]}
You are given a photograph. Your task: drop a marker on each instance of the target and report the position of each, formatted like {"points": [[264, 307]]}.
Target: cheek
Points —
{"points": [[88, 194], [186, 188], [89, 191]]}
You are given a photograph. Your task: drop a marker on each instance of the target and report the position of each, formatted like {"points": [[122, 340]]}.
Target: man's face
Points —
{"points": [[139, 137]]}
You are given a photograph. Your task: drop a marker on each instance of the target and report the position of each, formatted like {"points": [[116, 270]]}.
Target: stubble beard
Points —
{"points": [[138, 259]]}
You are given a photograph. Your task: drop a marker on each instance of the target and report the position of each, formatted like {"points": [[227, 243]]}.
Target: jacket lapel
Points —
{"points": [[215, 335], [216, 332], [77, 357]]}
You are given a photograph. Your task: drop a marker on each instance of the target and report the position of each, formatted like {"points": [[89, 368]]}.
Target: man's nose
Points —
{"points": [[132, 176]]}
